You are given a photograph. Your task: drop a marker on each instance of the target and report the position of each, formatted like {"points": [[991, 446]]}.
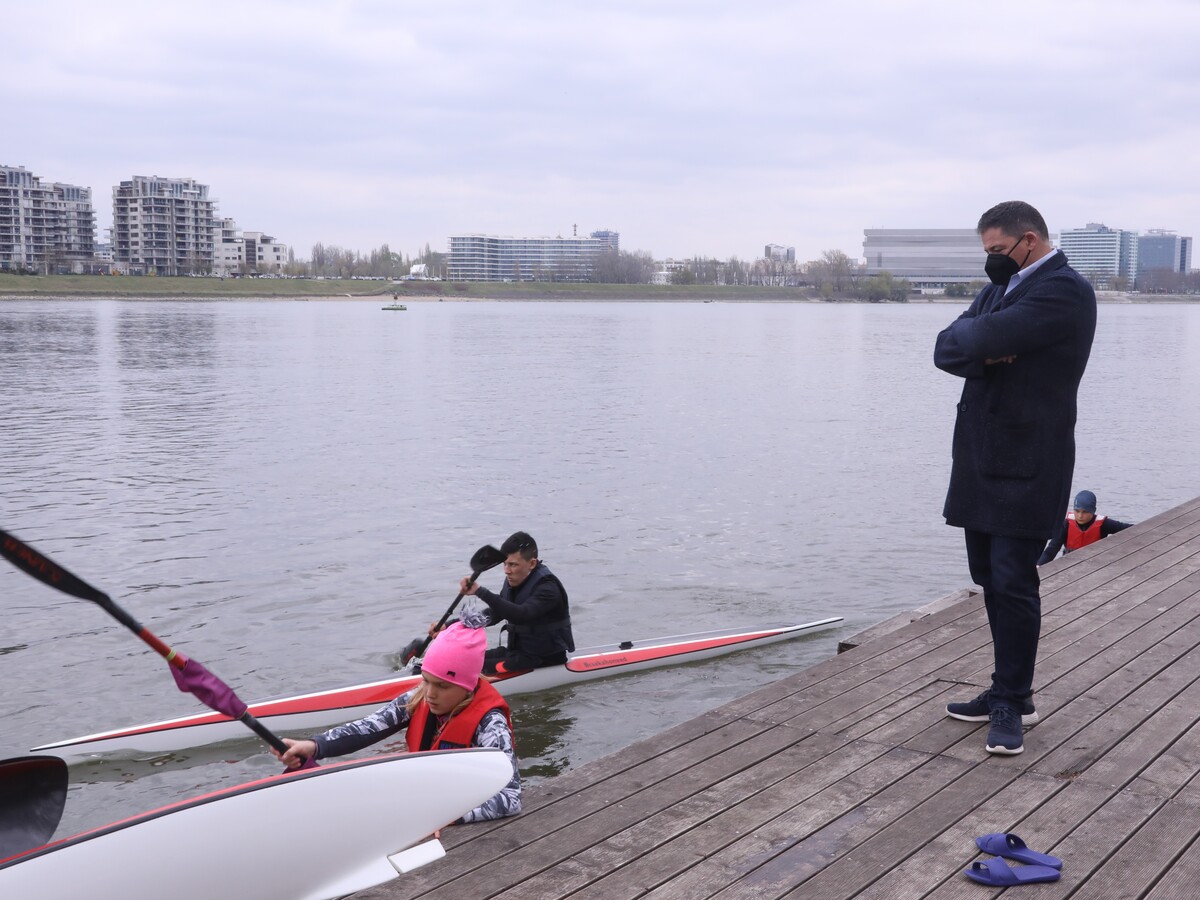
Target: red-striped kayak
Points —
{"points": [[307, 713]]}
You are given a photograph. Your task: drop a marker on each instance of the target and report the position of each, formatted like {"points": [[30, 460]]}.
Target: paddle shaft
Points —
{"points": [[53, 575], [420, 652]]}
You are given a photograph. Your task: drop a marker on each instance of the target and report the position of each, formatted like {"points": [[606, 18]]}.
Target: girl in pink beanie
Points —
{"points": [[452, 707]]}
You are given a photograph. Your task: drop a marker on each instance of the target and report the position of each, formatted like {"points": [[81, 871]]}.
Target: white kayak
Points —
{"points": [[308, 835], [307, 713]]}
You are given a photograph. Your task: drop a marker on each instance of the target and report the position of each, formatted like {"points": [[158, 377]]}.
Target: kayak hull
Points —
{"points": [[309, 713], [314, 834]]}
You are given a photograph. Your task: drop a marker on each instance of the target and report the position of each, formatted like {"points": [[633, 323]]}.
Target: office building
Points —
{"points": [[779, 253], [481, 257], [928, 258], [1159, 249], [163, 226], [44, 227], [1101, 254]]}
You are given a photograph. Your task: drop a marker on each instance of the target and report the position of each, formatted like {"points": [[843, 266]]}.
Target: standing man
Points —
{"points": [[1081, 527], [1021, 349], [534, 603]]}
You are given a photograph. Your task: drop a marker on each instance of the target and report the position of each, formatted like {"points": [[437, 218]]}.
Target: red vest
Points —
{"points": [[1078, 537], [460, 730]]}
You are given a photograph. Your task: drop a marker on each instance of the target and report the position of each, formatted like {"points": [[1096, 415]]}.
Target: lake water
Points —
{"points": [[290, 491]]}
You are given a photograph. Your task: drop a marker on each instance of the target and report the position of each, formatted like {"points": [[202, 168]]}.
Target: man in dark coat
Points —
{"points": [[534, 604], [1021, 349]]}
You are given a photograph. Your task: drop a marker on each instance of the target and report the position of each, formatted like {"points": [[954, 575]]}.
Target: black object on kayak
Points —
{"points": [[33, 793]]}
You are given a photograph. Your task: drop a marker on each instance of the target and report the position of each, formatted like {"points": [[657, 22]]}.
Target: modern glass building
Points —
{"points": [[45, 226], [482, 257], [926, 257], [1159, 249], [1100, 253]]}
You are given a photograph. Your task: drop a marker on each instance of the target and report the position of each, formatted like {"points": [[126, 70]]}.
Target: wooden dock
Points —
{"points": [[847, 780]]}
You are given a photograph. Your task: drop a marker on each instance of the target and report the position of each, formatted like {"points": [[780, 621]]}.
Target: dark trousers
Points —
{"points": [[1006, 569]]}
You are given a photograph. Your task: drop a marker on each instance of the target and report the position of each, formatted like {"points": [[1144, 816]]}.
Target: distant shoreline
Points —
{"points": [[101, 287]]}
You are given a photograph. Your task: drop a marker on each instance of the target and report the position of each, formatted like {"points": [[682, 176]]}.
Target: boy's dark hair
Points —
{"points": [[1014, 218], [520, 542]]}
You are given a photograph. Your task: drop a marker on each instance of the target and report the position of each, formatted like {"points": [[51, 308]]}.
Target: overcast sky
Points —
{"points": [[692, 128]]}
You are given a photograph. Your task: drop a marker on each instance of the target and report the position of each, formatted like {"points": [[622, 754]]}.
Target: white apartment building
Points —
{"points": [[163, 226], [926, 257], [246, 252], [1100, 253], [44, 227], [482, 257]]}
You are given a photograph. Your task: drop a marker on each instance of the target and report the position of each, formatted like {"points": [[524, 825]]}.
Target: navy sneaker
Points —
{"points": [[980, 710], [1004, 735]]}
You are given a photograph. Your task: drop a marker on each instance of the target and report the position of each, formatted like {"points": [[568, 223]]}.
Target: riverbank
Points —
{"points": [[128, 287], [84, 286]]}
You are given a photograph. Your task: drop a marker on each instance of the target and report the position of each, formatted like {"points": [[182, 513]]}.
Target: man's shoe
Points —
{"points": [[980, 710], [1004, 735]]}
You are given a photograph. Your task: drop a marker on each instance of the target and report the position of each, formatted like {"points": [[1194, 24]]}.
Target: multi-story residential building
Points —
{"points": [[926, 257], [482, 257], [264, 254], [1101, 254], [1160, 249], [248, 253], [163, 226], [44, 227]]}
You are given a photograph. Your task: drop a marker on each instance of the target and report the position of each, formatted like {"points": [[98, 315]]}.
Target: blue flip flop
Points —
{"points": [[1012, 847], [997, 873]]}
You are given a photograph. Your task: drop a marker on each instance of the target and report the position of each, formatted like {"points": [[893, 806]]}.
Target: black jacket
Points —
{"points": [[1014, 436], [537, 612]]}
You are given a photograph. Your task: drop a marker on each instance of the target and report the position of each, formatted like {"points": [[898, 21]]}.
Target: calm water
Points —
{"points": [[290, 491]]}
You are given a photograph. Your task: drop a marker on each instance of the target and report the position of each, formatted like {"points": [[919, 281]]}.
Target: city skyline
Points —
{"points": [[693, 129]]}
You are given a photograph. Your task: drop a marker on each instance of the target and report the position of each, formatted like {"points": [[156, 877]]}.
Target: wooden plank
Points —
{"points": [[899, 621], [771, 838], [1148, 854], [926, 816], [1083, 850], [848, 780], [673, 840], [1041, 810], [1118, 703]]}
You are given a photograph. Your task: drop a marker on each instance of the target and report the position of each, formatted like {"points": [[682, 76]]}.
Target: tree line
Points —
{"points": [[833, 275]]}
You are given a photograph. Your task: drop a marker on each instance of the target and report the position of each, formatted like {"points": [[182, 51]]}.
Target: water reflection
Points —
{"points": [[170, 337], [542, 723]]}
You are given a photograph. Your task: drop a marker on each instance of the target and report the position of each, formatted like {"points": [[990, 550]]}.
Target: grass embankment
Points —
{"points": [[149, 287]]}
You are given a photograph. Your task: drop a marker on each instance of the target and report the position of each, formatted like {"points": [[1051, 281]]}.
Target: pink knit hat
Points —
{"points": [[456, 655]]}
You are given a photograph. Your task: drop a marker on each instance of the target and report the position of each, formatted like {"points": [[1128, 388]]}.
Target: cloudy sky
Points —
{"points": [[692, 128]]}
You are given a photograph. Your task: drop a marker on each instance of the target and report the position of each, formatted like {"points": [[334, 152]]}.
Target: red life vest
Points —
{"points": [[460, 730], [1078, 537]]}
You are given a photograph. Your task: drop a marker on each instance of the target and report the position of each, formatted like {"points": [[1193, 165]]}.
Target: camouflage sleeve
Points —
{"points": [[493, 731], [383, 723]]}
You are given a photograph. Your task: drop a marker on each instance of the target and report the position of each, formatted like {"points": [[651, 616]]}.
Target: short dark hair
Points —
{"points": [[1014, 218], [520, 542]]}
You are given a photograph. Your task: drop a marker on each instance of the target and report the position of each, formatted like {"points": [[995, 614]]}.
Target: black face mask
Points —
{"points": [[1001, 267]]}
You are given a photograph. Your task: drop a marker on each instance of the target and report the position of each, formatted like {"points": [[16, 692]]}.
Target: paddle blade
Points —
{"points": [[210, 690], [33, 793], [485, 558], [37, 566], [415, 646]]}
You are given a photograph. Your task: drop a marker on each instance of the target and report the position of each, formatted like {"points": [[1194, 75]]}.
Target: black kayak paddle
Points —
{"points": [[485, 558]]}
